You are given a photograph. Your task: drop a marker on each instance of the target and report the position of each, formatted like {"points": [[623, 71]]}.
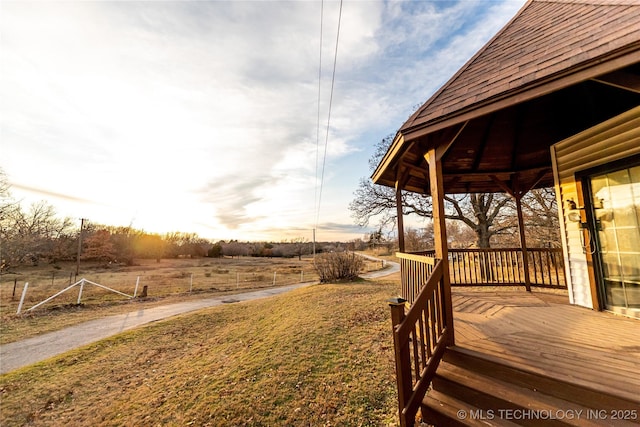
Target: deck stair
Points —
{"points": [[475, 389]]}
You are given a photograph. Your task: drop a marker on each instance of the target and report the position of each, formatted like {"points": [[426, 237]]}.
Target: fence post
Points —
{"points": [[81, 288], [191, 283], [403, 358], [24, 293], [135, 291], [237, 280], [274, 277], [301, 276], [15, 283]]}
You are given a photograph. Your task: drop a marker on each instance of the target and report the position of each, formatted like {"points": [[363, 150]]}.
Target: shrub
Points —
{"points": [[335, 266]]}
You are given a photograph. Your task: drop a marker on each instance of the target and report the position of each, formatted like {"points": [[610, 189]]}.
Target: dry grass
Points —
{"points": [[317, 356], [163, 278], [167, 281]]}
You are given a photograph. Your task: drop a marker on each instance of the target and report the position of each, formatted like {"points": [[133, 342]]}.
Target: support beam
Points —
{"points": [[443, 148], [523, 244], [440, 233], [401, 179], [621, 79], [399, 214], [500, 183], [517, 193]]}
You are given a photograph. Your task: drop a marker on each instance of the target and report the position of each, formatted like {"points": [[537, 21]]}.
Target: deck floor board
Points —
{"points": [[547, 335]]}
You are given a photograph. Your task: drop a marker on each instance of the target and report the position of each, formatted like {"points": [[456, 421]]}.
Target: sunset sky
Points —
{"points": [[202, 116]]}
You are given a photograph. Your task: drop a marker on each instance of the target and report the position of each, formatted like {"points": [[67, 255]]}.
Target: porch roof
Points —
{"points": [[557, 68]]}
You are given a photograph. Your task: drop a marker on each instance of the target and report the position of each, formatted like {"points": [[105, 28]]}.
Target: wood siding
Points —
{"points": [[612, 140]]}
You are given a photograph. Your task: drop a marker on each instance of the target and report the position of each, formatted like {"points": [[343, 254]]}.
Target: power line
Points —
{"points": [[326, 142], [315, 195]]}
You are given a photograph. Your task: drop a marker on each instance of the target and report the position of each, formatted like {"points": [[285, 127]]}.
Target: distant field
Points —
{"points": [[316, 356], [167, 281]]}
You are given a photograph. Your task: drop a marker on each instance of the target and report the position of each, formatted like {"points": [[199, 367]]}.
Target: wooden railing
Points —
{"points": [[415, 270], [421, 335], [505, 266]]}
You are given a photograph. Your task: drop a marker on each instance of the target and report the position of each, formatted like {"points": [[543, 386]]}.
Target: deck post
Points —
{"points": [[403, 358], [440, 235], [523, 243], [399, 216]]}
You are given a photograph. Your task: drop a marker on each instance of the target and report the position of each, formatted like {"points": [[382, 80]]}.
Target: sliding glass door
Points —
{"points": [[614, 216]]}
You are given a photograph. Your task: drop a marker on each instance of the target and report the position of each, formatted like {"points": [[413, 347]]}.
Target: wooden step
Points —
{"points": [[487, 390], [440, 409], [614, 372], [581, 393], [506, 400]]}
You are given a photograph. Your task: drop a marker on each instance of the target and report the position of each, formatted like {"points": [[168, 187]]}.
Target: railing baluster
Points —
{"points": [[416, 359], [429, 314], [437, 302], [549, 268], [504, 267], [519, 265], [424, 338], [555, 265]]}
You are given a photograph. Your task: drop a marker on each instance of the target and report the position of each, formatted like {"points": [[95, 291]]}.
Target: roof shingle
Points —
{"points": [[546, 38]]}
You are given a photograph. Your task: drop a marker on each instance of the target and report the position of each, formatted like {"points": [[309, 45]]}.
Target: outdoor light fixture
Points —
{"points": [[573, 211]]}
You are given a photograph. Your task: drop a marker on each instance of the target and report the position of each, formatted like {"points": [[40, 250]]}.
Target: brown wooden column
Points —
{"points": [[440, 233], [523, 242], [517, 193], [400, 217]]}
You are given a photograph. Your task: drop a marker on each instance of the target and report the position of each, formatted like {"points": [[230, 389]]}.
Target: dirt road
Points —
{"points": [[22, 353]]}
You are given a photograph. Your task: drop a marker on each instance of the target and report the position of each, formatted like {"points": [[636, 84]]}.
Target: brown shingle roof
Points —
{"points": [[557, 68], [545, 39]]}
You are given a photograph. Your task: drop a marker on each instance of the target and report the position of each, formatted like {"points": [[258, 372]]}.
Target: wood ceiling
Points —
{"points": [[511, 147]]}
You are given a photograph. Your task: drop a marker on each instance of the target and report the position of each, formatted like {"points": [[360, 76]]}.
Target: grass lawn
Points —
{"points": [[317, 356]]}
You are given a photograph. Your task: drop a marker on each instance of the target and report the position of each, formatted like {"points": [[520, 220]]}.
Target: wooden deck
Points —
{"points": [[542, 332]]}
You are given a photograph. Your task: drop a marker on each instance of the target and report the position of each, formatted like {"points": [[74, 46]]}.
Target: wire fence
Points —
{"points": [[153, 280], [146, 284]]}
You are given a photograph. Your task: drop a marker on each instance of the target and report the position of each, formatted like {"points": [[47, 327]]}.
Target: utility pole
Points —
{"points": [[82, 220]]}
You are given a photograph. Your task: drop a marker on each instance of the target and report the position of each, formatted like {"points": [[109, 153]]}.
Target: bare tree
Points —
{"points": [[234, 248], [540, 209], [300, 246], [98, 247], [7, 206], [419, 239], [377, 201], [484, 213], [6, 201], [31, 236], [336, 266]]}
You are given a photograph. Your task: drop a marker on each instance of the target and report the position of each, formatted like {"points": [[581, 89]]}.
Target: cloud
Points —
{"points": [[231, 195], [51, 194], [207, 112]]}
